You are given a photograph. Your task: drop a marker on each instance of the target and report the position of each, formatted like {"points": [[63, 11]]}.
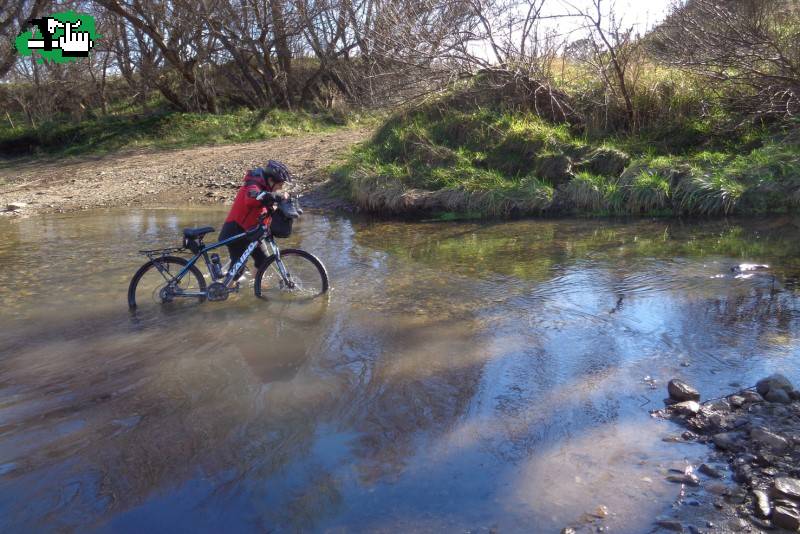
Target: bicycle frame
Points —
{"points": [[231, 275]]}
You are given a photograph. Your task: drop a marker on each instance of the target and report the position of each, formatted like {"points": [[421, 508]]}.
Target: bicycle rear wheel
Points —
{"points": [[306, 277], [152, 287]]}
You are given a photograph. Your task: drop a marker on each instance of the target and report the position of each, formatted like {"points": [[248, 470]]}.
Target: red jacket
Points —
{"points": [[246, 208]]}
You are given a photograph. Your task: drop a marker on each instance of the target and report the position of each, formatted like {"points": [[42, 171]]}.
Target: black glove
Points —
{"points": [[269, 198]]}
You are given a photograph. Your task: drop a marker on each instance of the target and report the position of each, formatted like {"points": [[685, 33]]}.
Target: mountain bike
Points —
{"points": [[287, 275]]}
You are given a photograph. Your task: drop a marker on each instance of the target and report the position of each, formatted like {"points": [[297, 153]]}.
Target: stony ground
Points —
{"points": [[202, 175], [751, 482]]}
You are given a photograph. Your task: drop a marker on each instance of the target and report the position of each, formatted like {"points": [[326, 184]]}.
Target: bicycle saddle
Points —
{"points": [[194, 233]]}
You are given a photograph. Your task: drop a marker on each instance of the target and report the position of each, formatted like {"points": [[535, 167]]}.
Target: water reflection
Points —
{"points": [[459, 376]]}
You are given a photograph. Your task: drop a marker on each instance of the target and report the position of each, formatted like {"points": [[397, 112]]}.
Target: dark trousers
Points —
{"points": [[237, 248]]}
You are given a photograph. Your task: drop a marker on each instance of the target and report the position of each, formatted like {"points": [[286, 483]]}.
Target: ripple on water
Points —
{"points": [[457, 376]]}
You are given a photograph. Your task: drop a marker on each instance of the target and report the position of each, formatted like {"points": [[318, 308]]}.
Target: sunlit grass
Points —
{"points": [[162, 130]]}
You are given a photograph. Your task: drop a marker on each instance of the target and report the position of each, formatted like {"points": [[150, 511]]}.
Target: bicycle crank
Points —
{"points": [[217, 292]]}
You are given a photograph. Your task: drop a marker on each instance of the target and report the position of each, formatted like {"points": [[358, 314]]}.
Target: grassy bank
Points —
{"points": [[160, 130], [486, 161]]}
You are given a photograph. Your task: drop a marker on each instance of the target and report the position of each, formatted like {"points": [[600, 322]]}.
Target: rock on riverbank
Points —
{"points": [[757, 432]]}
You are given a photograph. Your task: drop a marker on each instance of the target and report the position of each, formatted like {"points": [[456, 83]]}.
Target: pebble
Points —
{"points": [[689, 479], [763, 509], [16, 206], [737, 401], [751, 396], [772, 383], [686, 407], [681, 391], [788, 487], [788, 518], [728, 441], [778, 395], [710, 471], [767, 438], [601, 511], [674, 526]]}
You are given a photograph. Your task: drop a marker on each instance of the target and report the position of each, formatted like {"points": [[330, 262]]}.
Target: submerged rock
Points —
{"points": [[710, 471], [778, 396], [674, 526], [681, 391], [689, 479], [767, 438], [748, 267], [728, 441], [773, 382]]}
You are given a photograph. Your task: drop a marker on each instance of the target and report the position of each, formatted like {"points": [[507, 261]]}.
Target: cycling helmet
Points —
{"points": [[277, 171]]}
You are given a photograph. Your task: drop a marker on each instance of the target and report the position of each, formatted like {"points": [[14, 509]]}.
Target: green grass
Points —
{"points": [[160, 130], [496, 162]]}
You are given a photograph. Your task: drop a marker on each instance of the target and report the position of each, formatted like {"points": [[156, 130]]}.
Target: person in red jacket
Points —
{"points": [[261, 190]]}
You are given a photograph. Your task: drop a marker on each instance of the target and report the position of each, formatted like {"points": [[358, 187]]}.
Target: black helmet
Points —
{"points": [[277, 171]]}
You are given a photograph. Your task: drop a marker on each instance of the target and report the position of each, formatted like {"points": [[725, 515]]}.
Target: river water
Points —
{"points": [[459, 376]]}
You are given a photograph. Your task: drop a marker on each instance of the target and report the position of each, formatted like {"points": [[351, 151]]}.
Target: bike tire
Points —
{"points": [[321, 271], [175, 260]]}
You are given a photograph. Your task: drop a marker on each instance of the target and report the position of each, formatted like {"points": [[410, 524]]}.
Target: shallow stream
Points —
{"points": [[460, 376]]}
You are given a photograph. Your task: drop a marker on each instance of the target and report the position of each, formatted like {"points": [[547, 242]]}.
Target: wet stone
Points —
{"points": [[737, 401], [778, 395], [686, 407], [728, 441], [752, 396], [768, 439], [772, 383], [788, 518], [674, 526], [761, 501], [787, 487], [786, 503], [710, 471], [687, 478], [681, 391]]}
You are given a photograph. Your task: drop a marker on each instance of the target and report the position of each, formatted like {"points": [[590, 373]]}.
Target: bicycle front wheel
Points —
{"points": [[303, 278], [153, 285]]}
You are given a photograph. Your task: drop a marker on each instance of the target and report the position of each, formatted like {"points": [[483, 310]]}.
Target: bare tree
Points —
{"points": [[751, 45], [14, 15], [612, 48]]}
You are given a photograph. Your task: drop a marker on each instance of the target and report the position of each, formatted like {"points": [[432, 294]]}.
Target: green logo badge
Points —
{"points": [[61, 37]]}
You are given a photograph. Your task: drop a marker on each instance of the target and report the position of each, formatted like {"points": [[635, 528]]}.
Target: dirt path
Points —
{"points": [[203, 175]]}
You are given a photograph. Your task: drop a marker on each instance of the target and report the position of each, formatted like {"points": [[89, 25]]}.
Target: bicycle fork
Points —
{"points": [[279, 266]]}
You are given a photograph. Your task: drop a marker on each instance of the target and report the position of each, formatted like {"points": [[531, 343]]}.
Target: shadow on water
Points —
{"points": [[457, 376]]}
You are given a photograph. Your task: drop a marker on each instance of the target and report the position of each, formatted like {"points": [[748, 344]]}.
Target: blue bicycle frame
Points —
{"points": [[235, 268]]}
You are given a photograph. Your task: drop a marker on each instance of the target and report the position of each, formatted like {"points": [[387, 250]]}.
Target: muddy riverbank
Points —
{"points": [[196, 176]]}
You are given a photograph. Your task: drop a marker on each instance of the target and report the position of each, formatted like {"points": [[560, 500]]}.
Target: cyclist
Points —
{"points": [[260, 192]]}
